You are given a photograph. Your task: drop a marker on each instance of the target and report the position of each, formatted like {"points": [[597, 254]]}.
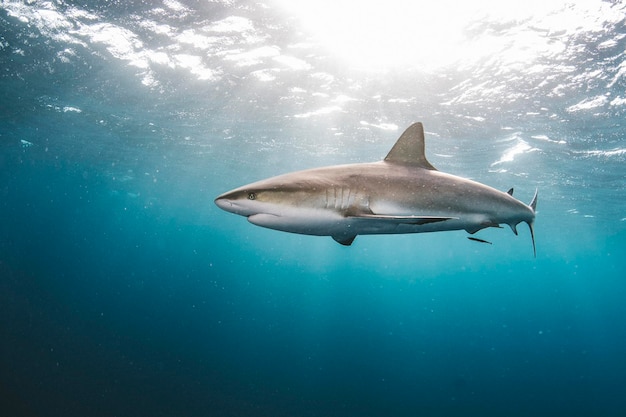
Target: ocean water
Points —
{"points": [[124, 291]]}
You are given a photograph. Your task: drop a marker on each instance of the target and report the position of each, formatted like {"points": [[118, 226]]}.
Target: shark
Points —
{"points": [[403, 193]]}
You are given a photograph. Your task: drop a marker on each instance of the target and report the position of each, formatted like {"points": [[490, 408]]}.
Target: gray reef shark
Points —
{"points": [[403, 193]]}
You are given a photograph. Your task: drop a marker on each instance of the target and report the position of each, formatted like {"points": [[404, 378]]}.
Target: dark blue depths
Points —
{"points": [[112, 309]]}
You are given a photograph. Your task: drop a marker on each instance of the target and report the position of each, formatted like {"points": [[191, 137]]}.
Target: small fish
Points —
{"points": [[475, 239]]}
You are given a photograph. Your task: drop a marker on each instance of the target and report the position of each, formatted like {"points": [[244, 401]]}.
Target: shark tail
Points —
{"points": [[533, 203], [531, 224]]}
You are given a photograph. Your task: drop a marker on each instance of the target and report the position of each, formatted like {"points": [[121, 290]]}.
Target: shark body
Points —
{"points": [[403, 193]]}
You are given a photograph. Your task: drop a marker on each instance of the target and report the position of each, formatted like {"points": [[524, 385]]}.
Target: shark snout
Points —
{"points": [[224, 203], [235, 205], [231, 206]]}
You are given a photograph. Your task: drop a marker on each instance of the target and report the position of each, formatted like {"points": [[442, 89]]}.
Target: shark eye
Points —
{"points": [[252, 196]]}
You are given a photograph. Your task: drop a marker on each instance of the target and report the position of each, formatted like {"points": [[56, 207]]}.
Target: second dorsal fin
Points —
{"points": [[409, 148]]}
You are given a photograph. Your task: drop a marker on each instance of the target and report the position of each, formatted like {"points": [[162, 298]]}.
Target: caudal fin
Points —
{"points": [[532, 236], [531, 224], [533, 202]]}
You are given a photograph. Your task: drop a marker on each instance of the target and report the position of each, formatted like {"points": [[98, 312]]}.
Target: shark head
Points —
{"points": [[278, 202], [250, 200], [284, 203], [258, 204]]}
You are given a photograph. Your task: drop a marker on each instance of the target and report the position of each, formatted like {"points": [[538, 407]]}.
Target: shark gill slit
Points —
{"points": [[342, 198], [346, 201]]}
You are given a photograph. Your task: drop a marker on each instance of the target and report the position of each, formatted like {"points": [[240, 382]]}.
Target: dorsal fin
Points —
{"points": [[409, 148], [510, 192]]}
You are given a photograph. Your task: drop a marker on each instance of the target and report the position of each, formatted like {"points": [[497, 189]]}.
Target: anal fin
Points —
{"points": [[481, 226]]}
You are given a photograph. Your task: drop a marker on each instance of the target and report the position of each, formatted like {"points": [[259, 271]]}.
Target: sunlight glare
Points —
{"points": [[396, 34]]}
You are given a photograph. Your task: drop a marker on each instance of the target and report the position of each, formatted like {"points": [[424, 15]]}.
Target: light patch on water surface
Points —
{"points": [[433, 35], [519, 148], [319, 112], [588, 104]]}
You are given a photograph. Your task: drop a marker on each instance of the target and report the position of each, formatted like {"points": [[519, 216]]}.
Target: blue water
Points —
{"points": [[124, 291]]}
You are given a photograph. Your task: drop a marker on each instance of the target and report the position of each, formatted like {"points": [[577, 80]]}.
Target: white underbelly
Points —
{"points": [[328, 223]]}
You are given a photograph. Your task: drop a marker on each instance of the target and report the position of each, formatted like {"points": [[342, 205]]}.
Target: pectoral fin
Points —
{"points": [[344, 240], [417, 220]]}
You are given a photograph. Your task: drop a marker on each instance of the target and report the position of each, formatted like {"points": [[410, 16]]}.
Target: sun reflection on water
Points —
{"points": [[375, 35]]}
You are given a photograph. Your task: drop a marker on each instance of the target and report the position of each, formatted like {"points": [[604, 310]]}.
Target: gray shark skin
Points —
{"points": [[403, 193]]}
